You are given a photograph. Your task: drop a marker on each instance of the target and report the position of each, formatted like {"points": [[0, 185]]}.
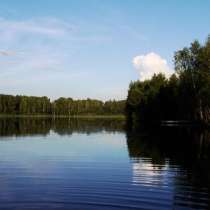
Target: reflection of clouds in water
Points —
{"points": [[147, 173]]}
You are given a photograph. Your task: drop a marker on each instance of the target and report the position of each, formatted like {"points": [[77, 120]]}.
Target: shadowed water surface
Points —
{"points": [[96, 164]]}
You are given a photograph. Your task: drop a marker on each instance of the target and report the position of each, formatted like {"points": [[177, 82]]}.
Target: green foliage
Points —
{"points": [[25, 105], [143, 101], [184, 96]]}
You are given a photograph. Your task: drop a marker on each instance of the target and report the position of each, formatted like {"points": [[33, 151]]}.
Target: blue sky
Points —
{"points": [[92, 48]]}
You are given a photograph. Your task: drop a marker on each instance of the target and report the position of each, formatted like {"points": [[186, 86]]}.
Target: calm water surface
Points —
{"points": [[97, 165]]}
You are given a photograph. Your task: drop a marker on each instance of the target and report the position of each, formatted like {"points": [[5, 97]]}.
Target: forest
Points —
{"points": [[185, 96], [31, 105]]}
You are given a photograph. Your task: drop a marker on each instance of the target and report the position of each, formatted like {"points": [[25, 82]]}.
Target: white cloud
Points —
{"points": [[39, 44], [43, 49], [7, 53], [150, 64], [31, 46], [51, 27]]}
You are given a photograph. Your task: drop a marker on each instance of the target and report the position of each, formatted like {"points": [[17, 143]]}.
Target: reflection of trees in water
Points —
{"points": [[24, 126], [180, 144], [183, 153], [174, 157], [62, 126], [87, 125]]}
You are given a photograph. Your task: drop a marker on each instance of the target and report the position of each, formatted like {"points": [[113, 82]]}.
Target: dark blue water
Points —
{"points": [[91, 165]]}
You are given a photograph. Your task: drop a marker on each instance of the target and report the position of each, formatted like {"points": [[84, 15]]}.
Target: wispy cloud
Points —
{"points": [[7, 53], [42, 43], [43, 26], [32, 45], [44, 49]]}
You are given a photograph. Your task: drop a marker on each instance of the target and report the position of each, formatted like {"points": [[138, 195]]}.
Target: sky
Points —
{"points": [[93, 48]]}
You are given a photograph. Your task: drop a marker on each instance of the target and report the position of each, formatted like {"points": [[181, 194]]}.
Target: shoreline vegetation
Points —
{"points": [[183, 97], [66, 107]]}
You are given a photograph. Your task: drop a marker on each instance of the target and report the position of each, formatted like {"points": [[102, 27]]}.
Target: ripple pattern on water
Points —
{"points": [[91, 172]]}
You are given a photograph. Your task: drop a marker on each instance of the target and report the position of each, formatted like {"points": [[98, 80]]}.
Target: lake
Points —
{"points": [[97, 164]]}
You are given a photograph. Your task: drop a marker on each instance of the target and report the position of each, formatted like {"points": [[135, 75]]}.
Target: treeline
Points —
{"points": [[30, 105], [183, 96]]}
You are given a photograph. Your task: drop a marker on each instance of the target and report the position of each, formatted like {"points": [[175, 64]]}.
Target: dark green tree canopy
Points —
{"points": [[183, 96], [63, 106]]}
